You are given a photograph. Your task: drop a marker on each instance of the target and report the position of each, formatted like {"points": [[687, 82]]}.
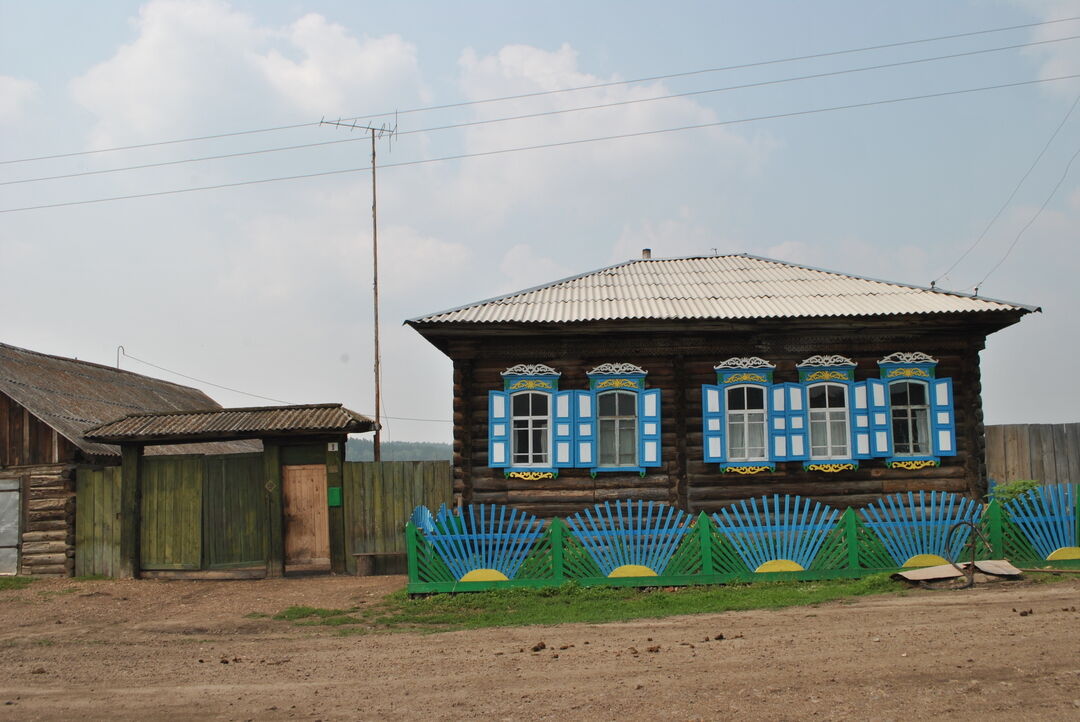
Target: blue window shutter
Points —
{"points": [[942, 417], [649, 446], [585, 429], [777, 421], [498, 429], [563, 454], [712, 416], [877, 393], [798, 422], [861, 447]]}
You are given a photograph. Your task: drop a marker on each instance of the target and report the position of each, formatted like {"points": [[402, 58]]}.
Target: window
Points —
{"points": [[530, 440], [617, 426], [829, 434], [746, 423], [910, 418]]}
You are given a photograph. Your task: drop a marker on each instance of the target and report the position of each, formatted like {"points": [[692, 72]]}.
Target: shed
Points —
{"points": [[702, 381], [46, 403]]}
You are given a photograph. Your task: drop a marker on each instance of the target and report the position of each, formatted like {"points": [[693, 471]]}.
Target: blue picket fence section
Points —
{"points": [[914, 525], [789, 534], [774, 530], [1047, 517], [484, 538], [630, 536]]}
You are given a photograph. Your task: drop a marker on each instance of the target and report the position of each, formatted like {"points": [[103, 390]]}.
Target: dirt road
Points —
{"points": [[188, 650]]}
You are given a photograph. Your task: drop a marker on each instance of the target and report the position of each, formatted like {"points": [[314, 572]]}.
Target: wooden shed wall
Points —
{"points": [[679, 363], [25, 440]]}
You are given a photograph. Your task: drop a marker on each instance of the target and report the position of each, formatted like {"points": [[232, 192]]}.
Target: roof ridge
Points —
{"points": [[224, 409]]}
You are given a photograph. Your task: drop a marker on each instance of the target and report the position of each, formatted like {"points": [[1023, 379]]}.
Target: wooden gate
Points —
{"points": [[307, 519], [234, 512], [97, 521], [171, 525]]}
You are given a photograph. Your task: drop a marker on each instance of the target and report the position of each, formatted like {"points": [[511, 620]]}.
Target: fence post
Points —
{"points": [[851, 537], [704, 534], [410, 552], [558, 539], [993, 518]]}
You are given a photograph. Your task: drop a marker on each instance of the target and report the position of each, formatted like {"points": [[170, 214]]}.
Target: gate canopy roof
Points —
{"points": [[232, 423]]}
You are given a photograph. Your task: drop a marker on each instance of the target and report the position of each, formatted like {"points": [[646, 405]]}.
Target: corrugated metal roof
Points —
{"points": [[215, 424], [72, 396], [712, 287]]}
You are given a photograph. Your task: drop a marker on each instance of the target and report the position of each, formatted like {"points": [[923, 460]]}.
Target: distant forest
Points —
{"points": [[363, 450]]}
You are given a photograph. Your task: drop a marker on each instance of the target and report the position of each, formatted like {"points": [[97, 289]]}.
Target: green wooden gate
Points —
{"points": [[171, 524], [234, 511], [97, 521]]}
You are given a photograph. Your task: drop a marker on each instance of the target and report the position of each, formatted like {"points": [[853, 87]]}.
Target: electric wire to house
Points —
{"points": [[556, 91], [549, 113], [125, 354], [545, 146]]}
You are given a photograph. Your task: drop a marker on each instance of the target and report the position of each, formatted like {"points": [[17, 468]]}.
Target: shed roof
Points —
{"points": [[72, 396], [232, 423], [712, 287]]}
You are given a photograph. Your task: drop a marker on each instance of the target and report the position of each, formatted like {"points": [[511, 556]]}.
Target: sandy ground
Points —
{"points": [[186, 650]]}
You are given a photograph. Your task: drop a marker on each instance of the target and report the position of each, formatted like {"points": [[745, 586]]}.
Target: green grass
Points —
{"points": [[15, 582], [574, 603]]}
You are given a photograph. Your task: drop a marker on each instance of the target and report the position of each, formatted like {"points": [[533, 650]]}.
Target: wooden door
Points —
{"points": [[307, 519], [171, 526]]}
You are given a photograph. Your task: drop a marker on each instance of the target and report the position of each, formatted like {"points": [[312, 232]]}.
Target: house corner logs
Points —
{"points": [[47, 538], [678, 361]]}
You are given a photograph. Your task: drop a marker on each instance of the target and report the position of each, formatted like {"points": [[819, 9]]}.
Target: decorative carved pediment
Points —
{"points": [[908, 357], [744, 362], [531, 370], [820, 360], [618, 370]]}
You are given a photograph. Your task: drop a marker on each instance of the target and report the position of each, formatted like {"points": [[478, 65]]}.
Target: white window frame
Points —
{"points": [[829, 413], [740, 417], [600, 429], [911, 410], [531, 419]]}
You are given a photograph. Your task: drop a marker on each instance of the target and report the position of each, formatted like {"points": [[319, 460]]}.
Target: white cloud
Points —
{"points": [[202, 64], [671, 238], [15, 95], [522, 267]]}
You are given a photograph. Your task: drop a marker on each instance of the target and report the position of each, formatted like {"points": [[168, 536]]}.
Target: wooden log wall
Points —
{"points": [[1049, 453], [679, 363], [47, 537]]}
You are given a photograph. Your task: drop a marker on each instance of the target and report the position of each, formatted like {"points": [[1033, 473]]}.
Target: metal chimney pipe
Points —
{"points": [[646, 253]]}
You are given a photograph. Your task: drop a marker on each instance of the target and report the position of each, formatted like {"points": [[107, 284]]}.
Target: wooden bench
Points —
{"points": [[365, 561]]}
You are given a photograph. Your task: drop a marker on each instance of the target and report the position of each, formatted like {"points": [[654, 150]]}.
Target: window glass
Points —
{"points": [[530, 435], [910, 418], [746, 423], [617, 428], [828, 421]]}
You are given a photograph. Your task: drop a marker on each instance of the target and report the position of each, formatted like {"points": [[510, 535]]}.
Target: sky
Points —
{"points": [[265, 288]]}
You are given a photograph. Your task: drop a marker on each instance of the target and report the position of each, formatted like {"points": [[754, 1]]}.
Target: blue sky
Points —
{"points": [[265, 288]]}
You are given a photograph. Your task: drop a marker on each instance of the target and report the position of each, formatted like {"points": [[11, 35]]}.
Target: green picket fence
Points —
{"points": [[779, 538]]}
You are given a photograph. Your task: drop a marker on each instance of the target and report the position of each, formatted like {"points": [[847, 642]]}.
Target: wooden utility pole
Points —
{"points": [[374, 133]]}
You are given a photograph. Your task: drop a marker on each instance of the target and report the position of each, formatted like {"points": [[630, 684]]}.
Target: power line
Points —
{"points": [[541, 114], [1012, 195], [1028, 225], [542, 146], [521, 96], [125, 354]]}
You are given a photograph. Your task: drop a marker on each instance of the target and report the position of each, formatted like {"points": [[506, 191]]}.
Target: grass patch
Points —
{"points": [[15, 582], [574, 603], [256, 615]]}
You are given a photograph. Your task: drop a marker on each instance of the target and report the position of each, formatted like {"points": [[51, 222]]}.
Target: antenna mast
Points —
{"points": [[374, 133]]}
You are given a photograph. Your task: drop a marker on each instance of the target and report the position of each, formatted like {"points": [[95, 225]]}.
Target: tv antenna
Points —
{"points": [[376, 133]]}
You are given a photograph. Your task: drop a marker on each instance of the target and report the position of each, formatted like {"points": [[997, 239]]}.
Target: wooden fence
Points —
{"points": [[1048, 453], [643, 543], [378, 499], [210, 512]]}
